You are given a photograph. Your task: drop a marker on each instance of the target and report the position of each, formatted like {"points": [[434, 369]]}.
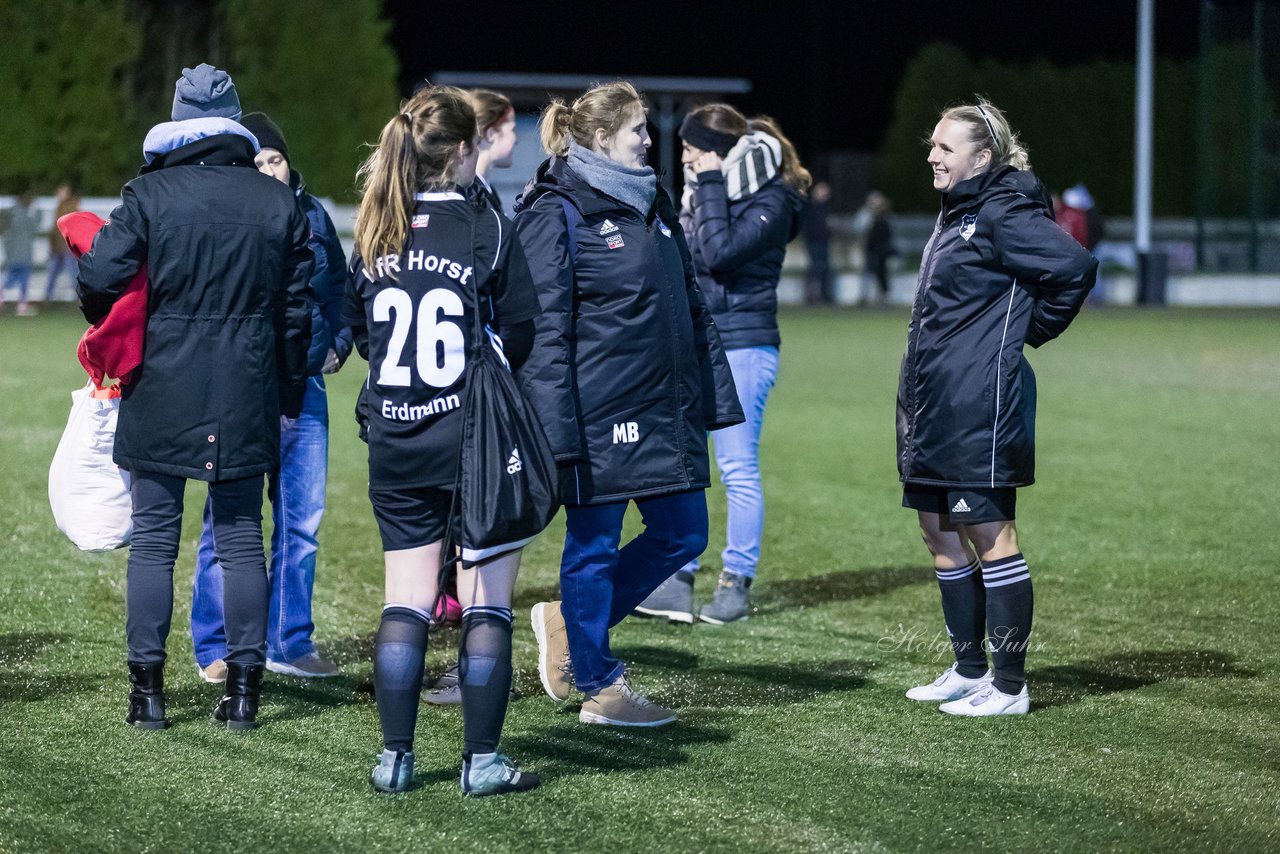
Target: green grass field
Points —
{"points": [[1151, 538]]}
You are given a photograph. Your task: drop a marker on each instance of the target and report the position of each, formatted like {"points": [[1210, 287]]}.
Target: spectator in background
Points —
{"points": [[296, 488], [1079, 217], [224, 357], [19, 223], [819, 280], [60, 258], [877, 248]]}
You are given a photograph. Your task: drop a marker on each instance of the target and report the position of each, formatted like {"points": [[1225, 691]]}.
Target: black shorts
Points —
{"points": [[962, 506], [410, 518]]}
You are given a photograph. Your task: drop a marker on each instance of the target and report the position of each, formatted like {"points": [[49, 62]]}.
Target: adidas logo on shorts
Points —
{"points": [[513, 463], [961, 507]]}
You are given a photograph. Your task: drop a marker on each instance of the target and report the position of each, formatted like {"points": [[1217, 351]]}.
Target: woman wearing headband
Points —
{"points": [[744, 192], [997, 273]]}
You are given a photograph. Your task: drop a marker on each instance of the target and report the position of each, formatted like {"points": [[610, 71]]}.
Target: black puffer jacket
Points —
{"points": [[996, 273], [627, 372], [737, 248], [228, 311]]}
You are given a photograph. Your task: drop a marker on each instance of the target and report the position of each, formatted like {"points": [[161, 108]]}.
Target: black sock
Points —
{"points": [[964, 606], [398, 657], [1009, 604], [484, 674]]}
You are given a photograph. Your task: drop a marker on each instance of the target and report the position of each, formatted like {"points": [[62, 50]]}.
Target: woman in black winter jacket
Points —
{"points": [[744, 194], [225, 355], [996, 273], [628, 374]]}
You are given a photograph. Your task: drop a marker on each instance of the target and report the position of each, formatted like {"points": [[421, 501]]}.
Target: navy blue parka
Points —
{"points": [[627, 371], [737, 247], [997, 273]]}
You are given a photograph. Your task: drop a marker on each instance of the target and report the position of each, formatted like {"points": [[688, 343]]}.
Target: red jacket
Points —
{"points": [[113, 347]]}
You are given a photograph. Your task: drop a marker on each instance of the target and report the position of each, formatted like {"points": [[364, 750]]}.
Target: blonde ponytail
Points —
{"points": [[553, 128], [603, 107]]}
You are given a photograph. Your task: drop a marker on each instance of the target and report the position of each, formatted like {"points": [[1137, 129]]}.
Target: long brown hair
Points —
{"points": [[602, 107], [727, 119], [416, 151]]}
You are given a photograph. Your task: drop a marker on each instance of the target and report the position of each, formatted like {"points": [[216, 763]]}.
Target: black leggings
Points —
{"points": [[237, 533]]}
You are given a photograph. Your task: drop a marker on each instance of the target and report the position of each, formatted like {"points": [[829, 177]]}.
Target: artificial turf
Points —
{"points": [[1151, 538]]}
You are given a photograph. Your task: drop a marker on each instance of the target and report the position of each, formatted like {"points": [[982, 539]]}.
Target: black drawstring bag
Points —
{"points": [[507, 488]]}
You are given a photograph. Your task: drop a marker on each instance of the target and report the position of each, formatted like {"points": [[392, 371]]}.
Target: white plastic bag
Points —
{"points": [[88, 492]]}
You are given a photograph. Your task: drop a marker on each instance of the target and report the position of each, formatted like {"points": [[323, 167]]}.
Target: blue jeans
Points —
{"points": [[17, 275], [58, 264], [296, 491], [600, 583], [738, 457]]}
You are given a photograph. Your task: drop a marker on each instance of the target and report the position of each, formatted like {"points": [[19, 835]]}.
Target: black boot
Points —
{"points": [[146, 696], [238, 708]]}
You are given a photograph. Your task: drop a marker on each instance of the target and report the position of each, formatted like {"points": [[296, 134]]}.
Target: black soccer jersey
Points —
{"points": [[411, 315]]}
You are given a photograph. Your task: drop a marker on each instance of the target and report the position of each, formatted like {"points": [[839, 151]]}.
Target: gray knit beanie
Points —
{"points": [[204, 92]]}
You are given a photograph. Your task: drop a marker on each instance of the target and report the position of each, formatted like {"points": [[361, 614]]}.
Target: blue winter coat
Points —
{"points": [[329, 281], [737, 249], [627, 372], [997, 273]]}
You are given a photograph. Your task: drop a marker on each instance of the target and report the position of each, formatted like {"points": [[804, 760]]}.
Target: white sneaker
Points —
{"points": [[990, 701], [949, 686]]}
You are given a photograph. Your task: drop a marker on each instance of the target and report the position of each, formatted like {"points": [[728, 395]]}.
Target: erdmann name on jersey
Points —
{"points": [[393, 411]]}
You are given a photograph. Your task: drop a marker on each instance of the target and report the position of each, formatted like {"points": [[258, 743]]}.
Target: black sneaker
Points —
{"points": [[673, 599], [447, 691]]}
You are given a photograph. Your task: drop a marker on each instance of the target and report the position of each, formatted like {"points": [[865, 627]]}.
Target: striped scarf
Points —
{"points": [[753, 162]]}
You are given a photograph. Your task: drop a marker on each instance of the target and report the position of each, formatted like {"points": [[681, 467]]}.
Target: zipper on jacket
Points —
{"points": [[917, 311], [681, 451]]}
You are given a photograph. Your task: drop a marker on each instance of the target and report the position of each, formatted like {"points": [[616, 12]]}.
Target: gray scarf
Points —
{"points": [[635, 188]]}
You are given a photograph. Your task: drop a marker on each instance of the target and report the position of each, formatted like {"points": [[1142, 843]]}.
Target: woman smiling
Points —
{"points": [[997, 273], [628, 373]]}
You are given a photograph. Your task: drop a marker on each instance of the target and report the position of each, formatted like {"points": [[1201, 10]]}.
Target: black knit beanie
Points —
{"points": [[268, 132]]}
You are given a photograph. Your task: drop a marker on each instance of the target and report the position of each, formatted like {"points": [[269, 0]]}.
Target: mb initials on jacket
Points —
{"points": [[627, 431]]}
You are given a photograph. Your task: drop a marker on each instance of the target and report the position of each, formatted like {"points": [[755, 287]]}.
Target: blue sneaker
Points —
{"points": [[494, 774], [394, 771]]}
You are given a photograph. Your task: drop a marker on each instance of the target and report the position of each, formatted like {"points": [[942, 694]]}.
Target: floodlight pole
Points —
{"points": [[1150, 268]]}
